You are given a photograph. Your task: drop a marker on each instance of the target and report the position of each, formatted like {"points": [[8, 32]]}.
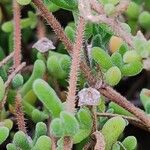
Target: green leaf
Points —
{"points": [[23, 2], [48, 97], [112, 129], [113, 76], [38, 72], [132, 68], [57, 128], [43, 143], [21, 140], [70, 123], [4, 132], [2, 91], [130, 143], [101, 57]]}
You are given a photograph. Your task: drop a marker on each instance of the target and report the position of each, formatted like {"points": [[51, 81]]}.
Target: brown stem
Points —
{"points": [[122, 7], [123, 102], [100, 143], [68, 143], [86, 70], [41, 31], [114, 96], [7, 83], [134, 121], [52, 21], [5, 60], [12, 75], [94, 116], [19, 113], [17, 34], [75, 66]]}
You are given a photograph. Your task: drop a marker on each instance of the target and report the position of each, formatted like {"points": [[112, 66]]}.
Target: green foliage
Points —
{"points": [[130, 143], [144, 19], [116, 146], [4, 132], [66, 4], [70, 123], [112, 129], [40, 129], [43, 143], [117, 59], [40, 101], [17, 81], [126, 27], [66, 125], [8, 123], [58, 65], [2, 91], [131, 56], [97, 40], [11, 146], [109, 9], [21, 140], [23, 2], [113, 76], [132, 68], [118, 109], [56, 127], [101, 57], [48, 97], [38, 72], [145, 99], [31, 22], [85, 125], [70, 32], [133, 10], [38, 116]]}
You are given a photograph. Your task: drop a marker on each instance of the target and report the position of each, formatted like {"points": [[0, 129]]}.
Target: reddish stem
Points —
{"points": [[17, 34]]}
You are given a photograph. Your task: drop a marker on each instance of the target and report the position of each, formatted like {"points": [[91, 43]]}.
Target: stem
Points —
{"points": [[19, 113], [134, 121], [7, 83], [122, 7], [5, 60], [41, 31], [123, 102], [52, 21], [17, 34], [100, 142], [114, 96], [12, 75], [68, 143], [86, 70], [75, 66]]}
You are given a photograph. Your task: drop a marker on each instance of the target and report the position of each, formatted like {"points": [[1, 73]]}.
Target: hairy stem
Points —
{"points": [[68, 143], [122, 101], [5, 60], [19, 113], [134, 121], [17, 34], [12, 75], [86, 70], [7, 83], [75, 66], [100, 142], [41, 31], [52, 21]]}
